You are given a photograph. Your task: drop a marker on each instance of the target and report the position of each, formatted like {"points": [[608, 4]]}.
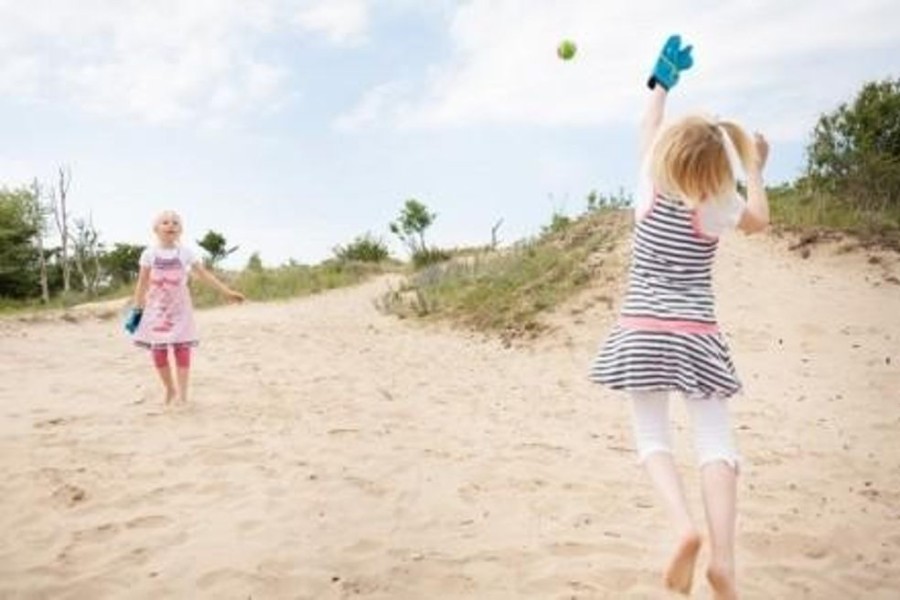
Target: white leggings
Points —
{"points": [[709, 418]]}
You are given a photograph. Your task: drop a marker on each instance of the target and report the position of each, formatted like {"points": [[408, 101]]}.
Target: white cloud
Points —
{"points": [[381, 102], [164, 61], [341, 21], [776, 65]]}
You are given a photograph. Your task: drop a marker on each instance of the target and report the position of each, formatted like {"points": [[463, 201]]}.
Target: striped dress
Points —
{"points": [[667, 337]]}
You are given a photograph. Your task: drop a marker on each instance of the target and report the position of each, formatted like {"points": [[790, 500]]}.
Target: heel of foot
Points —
{"points": [[722, 583], [679, 575]]}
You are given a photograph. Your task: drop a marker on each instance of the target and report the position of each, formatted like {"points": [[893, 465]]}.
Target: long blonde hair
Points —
{"points": [[690, 158]]}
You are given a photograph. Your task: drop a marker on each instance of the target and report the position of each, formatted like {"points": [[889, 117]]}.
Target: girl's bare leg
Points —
{"points": [[718, 473], [183, 381], [651, 426], [719, 497], [679, 573], [183, 367], [165, 375]]}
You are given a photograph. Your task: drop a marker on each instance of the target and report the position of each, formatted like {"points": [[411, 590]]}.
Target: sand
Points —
{"points": [[330, 451]]}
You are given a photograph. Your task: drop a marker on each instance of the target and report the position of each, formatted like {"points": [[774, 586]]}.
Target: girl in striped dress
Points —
{"points": [[667, 338]]}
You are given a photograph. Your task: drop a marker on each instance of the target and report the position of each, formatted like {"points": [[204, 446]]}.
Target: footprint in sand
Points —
{"points": [[148, 522], [101, 533], [567, 549], [556, 451], [370, 487], [55, 422], [249, 525], [364, 546], [69, 495], [226, 579], [342, 431], [276, 566]]}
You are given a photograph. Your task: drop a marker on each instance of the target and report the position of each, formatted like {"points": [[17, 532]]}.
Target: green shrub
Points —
{"points": [[365, 248], [285, 282], [429, 256]]}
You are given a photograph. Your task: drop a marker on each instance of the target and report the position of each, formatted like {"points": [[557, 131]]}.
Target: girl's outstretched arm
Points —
{"points": [[207, 276], [653, 117]]}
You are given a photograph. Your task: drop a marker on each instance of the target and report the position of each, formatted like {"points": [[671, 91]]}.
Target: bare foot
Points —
{"points": [[721, 580], [170, 396], [680, 572]]}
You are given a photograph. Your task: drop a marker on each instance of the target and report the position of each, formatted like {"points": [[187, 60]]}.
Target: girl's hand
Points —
{"points": [[235, 296], [762, 150]]}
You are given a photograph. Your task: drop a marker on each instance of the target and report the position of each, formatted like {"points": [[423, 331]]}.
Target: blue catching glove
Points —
{"points": [[133, 320], [673, 59]]}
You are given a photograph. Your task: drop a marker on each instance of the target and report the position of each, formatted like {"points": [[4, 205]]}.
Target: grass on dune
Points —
{"points": [[507, 291]]}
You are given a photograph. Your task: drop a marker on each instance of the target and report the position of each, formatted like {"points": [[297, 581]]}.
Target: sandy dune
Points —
{"points": [[330, 451]]}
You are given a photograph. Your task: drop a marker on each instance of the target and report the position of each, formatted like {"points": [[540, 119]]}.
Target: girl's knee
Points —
{"points": [[183, 356], [727, 458], [160, 358]]}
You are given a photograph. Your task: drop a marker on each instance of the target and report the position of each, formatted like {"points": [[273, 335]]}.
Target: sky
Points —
{"points": [[294, 126]]}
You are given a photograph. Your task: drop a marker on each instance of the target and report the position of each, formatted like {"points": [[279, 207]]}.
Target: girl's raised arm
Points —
{"points": [[756, 215], [653, 117]]}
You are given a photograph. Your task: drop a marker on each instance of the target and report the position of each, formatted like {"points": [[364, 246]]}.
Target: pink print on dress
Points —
{"points": [[168, 307], [168, 314]]}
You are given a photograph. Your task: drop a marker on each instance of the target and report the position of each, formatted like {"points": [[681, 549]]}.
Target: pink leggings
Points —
{"points": [[182, 356]]}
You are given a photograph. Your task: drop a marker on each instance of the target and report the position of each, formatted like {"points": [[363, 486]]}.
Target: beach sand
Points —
{"points": [[330, 451]]}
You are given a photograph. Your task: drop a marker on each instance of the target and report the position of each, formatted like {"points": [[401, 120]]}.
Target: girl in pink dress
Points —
{"points": [[164, 300]]}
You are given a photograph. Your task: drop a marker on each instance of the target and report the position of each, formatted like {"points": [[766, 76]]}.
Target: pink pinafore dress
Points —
{"points": [[168, 318]]}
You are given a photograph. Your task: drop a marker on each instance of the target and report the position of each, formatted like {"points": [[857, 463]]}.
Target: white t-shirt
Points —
{"points": [[188, 257], [714, 217]]}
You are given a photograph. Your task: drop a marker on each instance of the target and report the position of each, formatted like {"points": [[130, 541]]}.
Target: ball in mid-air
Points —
{"points": [[566, 49]]}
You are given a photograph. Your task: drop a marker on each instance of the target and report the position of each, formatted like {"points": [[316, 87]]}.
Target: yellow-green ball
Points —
{"points": [[566, 49]]}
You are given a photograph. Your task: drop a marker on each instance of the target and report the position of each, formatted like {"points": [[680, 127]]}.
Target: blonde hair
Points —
{"points": [[167, 214], [691, 158]]}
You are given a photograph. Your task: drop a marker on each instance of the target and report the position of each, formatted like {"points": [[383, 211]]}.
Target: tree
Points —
{"points": [[593, 201], [86, 248], [37, 217], [215, 245], [494, 230], [410, 227], [121, 263], [254, 264], [855, 150], [18, 255], [59, 201]]}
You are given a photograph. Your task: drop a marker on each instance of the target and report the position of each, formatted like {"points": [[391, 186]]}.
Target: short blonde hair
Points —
{"points": [[690, 158]]}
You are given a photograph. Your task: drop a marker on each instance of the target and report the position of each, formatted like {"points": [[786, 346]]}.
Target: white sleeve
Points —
{"points": [[146, 259], [189, 255], [718, 216]]}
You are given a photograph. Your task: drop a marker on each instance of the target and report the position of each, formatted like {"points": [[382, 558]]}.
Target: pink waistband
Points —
{"points": [[652, 324]]}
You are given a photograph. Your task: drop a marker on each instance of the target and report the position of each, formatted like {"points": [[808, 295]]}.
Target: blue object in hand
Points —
{"points": [[133, 320], [673, 59]]}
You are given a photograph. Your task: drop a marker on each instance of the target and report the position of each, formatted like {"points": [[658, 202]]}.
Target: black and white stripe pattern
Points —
{"points": [[695, 364], [671, 267], [670, 280]]}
